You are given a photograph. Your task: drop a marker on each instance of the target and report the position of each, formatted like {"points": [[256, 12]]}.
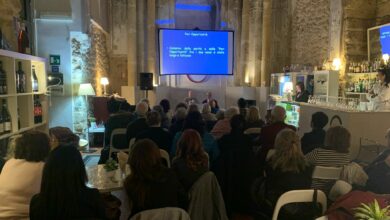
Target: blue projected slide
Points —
{"points": [[385, 39], [196, 52]]}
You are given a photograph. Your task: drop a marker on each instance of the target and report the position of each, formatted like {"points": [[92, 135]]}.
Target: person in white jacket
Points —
{"points": [[380, 94], [21, 176]]}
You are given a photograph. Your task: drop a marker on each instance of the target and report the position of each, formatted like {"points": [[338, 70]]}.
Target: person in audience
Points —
{"points": [[64, 194], [378, 171], [21, 175], [242, 106], [222, 127], [316, 137], [62, 135], [117, 119], [208, 117], [269, 132], [147, 103], [177, 125], [181, 105], [151, 185], [194, 121], [155, 132], [214, 106], [192, 108], [253, 119], [302, 94], [334, 153], [220, 115], [165, 122], [209, 97], [236, 181], [287, 168], [191, 160], [167, 108], [2, 162], [139, 124]]}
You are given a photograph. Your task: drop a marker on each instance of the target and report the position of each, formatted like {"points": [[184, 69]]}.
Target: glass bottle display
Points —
{"points": [[3, 80], [20, 79], [6, 118], [34, 80]]}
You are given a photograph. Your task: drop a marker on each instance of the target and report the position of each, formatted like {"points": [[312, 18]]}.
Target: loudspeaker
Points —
{"points": [[146, 81]]}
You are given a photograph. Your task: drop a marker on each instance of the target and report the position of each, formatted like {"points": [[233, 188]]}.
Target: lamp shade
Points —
{"points": [[104, 81], [86, 89]]}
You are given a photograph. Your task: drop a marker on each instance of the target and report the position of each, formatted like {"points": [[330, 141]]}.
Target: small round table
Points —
{"points": [[105, 181]]}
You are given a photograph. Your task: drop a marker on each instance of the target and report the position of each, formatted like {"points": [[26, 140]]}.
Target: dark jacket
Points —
{"points": [[187, 176], [236, 170], [302, 96], [90, 206], [254, 124], [136, 127], [268, 135], [157, 134], [176, 126], [312, 140], [278, 182], [164, 192], [119, 120], [379, 178]]}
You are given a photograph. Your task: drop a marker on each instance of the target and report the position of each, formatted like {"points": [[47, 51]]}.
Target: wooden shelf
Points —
{"points": [[22, 130], [362, 73], [16, 55], [356, 93]]}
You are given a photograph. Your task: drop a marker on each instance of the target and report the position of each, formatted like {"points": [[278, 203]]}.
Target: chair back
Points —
{"points": [[340, 188], [117, 132], [131, 145], [296, 196], [169, 213], [252, 131], [165, 156], [326, 173]]}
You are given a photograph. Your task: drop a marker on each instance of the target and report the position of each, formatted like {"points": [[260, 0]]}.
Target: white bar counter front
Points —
{"points": [[362, 124]]}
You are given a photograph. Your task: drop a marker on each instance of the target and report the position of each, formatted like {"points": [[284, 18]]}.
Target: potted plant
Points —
{"points": [[372, 211], [110, 166]]}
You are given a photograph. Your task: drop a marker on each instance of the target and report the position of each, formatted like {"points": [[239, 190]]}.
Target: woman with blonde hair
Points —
{"points": [[253, 119], [287, 169]]}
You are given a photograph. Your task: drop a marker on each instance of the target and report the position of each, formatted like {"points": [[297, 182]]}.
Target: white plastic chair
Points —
{"points": [[322, 218], [131, 145], [252, 131], [115, 132], [326, 173], [165, 156], [295, 196], [169, 213], [340, 188]]}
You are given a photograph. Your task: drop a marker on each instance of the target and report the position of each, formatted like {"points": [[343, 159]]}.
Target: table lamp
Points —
{"points": [[86, 90], [104, 82]]}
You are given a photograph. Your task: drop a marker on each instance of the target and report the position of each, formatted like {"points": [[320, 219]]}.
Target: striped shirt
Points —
{"points": [[326, 158]]}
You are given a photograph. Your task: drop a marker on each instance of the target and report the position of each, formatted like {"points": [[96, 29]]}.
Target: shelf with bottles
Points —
{"points": [[368, 74], [360, 83]]}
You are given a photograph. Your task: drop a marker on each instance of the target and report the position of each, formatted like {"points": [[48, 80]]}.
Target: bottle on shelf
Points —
{"points": [[3, 80], [1, 124], [37, 110], [1, 40], [34, 80], [23, 42], [20, 79], [6, 118], [18, 120]]}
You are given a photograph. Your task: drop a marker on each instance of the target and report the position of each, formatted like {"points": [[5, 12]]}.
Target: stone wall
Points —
{"points": [[9, 9], [310, 31], [382, 12]]}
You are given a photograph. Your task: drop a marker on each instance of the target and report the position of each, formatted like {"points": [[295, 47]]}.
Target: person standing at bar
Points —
{"points": [[302, 95], [380, 94]]}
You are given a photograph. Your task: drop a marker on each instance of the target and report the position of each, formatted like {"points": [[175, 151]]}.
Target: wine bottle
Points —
{"points": [[23, 42], [20, 79], [1, 124], [34, 80], [3, 80], [6, 118], [37, 110]]}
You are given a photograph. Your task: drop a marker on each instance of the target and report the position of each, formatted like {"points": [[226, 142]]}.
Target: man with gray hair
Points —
{"points": [[222, 127], [139, 124], [269, 132]]}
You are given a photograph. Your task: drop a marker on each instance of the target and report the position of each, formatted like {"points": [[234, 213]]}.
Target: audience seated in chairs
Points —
{"points": [[253, 119], [269, 132], [139, 124], [316, 137], [165, 122], [335, 153], [155, 132], [151, 185], [222, 127], [242, 106], [177, 124], [236, 168], [21, 175], [287, 170], [166, 108], [120, 117], [194, 121], [64, 194], [62, 135], [191, 160]]}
